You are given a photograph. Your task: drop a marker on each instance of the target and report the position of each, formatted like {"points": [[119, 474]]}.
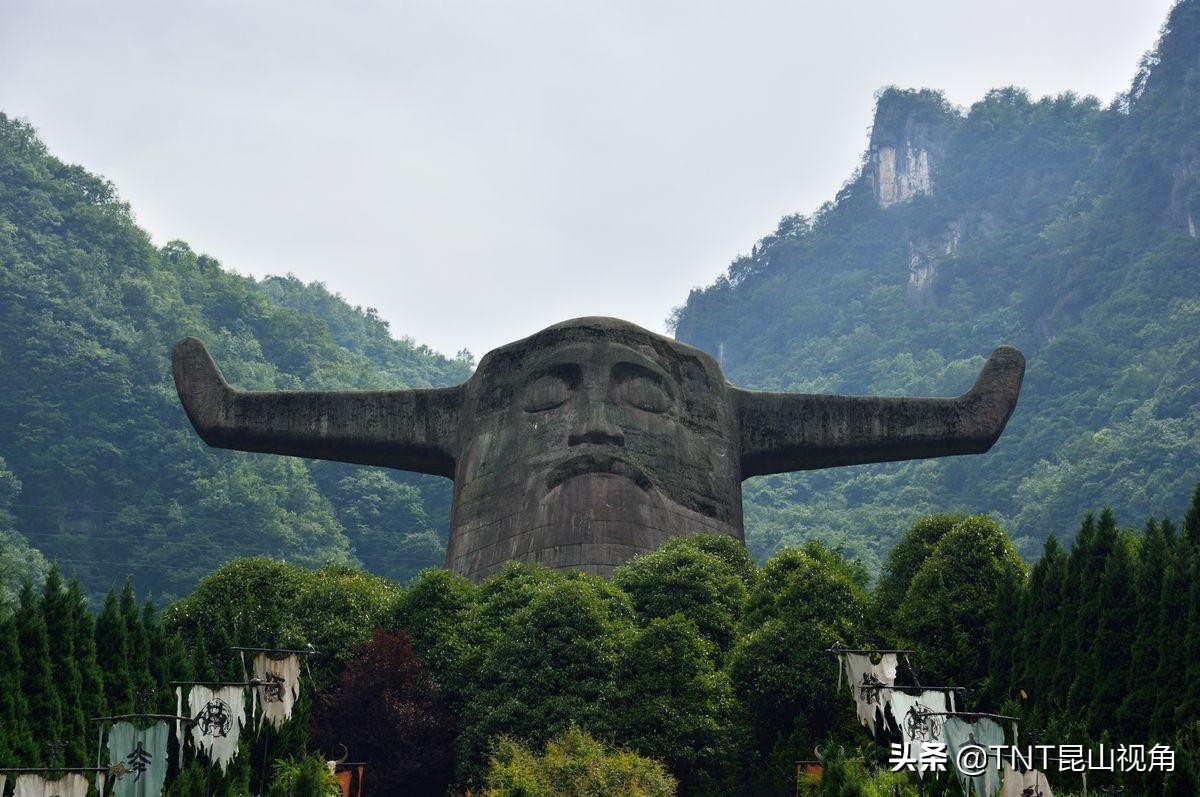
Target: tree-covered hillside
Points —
{"points": [[1057, 225], [99, 468]]}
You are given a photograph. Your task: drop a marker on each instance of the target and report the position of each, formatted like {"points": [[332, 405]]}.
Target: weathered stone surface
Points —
{"points": [[593, 440]]}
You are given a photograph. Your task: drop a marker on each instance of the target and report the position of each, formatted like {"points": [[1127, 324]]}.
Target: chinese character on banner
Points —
{"points": [[142, 756], [138, 761]]}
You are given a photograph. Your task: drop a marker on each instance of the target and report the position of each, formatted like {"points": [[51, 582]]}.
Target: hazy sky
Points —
{"points": [[477, 171]]}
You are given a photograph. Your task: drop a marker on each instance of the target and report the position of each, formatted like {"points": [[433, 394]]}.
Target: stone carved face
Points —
{"points": [[588, 443]]}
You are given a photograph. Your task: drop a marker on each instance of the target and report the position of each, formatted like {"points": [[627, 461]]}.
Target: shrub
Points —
{"points": [[306, 776], [574, 764]]}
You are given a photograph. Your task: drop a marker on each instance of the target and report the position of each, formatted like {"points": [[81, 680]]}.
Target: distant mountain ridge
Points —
{"points": [[1060, 226], [99, 467]]}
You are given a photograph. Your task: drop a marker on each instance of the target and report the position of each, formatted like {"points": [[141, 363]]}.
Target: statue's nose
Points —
{"points": [[595, 427]]}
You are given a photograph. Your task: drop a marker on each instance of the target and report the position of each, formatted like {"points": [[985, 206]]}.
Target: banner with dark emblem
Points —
{"points": [[865, 677], [218, 716], [280, 687]]}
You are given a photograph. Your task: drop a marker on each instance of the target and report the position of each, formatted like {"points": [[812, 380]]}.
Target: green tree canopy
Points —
{"points": [[947, 611]]}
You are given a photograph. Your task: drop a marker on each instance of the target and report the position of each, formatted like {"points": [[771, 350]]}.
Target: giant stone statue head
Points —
{"points": [[593, 440]]}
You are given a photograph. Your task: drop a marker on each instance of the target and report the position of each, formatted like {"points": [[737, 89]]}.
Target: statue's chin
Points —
{"points": [[589, 521], [600, 496]]}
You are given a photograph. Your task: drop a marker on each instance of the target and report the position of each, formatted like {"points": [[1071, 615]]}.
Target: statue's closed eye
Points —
{"points": [[644, 393], [545, 393]]}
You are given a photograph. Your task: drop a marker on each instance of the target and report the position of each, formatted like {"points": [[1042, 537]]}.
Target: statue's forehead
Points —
{"points": [[593, 335], [594, 353], [599, 342]]}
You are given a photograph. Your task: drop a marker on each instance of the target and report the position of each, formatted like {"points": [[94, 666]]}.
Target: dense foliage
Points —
{"points": [[1057, 225], [693, 656], [694, 662], [1102, 642], [101, 470], [61, 666]]}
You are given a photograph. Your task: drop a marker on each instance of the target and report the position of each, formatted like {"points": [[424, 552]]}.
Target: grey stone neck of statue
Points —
{"points": [[593, 440]]}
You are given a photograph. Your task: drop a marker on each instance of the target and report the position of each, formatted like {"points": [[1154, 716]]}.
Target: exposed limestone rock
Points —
{"points": [[1185, 191], [899, 179], [923, 255], [908, 140]]}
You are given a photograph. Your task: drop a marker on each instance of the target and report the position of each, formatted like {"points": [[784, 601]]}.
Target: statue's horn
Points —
{"points": [[782, 432], [413, 430]]}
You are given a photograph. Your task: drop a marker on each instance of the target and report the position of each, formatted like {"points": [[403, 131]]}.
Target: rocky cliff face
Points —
{"points": [[899, 175], [908, 140], [1066, 227], [923, 254]]}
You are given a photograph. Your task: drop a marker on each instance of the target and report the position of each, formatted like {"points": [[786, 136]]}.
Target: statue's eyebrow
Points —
{"points": [[568, 371], [639, 363], [560, 362]]}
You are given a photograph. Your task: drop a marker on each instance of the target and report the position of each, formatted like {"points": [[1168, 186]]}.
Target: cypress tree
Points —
{"points": [[1191, 521], [1141, 690], [176, 666], [1047, 628], [231, 670], [201, 665], [1115, 627], [1029, 614], [1068, 650], [1087, 654], [37, 678], [235, 780], [156, 662], [1172, 624], [91, 678], [60, 632], [1006, 637], [112, 654], [139, 642], [1167, 527], [1187, 711], [191, 782], [17, 746]]}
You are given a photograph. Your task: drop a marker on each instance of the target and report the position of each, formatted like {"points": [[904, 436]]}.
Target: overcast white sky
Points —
{"points": [[477, 171]]}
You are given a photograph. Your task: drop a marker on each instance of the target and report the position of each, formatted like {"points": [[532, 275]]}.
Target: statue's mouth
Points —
{"points": [[584, 464]]}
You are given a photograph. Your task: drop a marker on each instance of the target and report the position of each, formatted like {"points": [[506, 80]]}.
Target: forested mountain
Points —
{"points": [[1058, 225], [99, 468]]}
